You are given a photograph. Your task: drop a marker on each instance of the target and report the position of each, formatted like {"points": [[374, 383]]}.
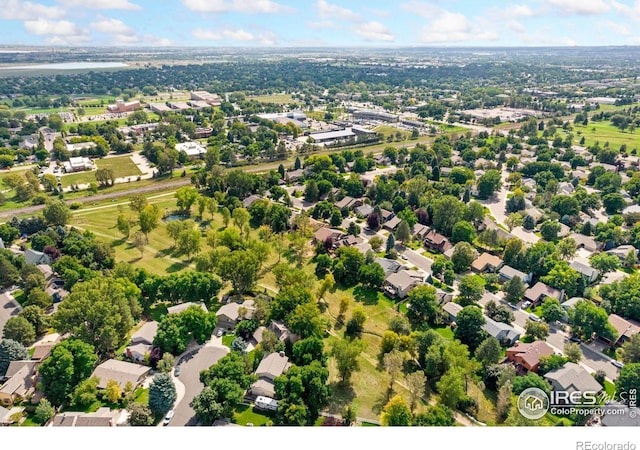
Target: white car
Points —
{"points": [[618, 364], [168, 417], [219, 333], [404, 257], [534, 318]]}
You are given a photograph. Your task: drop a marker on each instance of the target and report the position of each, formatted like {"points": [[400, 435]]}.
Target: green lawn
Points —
{"points": [[445, 332], [603, 132], [18, 295], [228, 339], [142, 396], [122, 166], [245, 414], [273, 98]]}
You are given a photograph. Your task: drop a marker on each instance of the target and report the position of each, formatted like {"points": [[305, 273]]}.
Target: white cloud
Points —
{"points": [[418, 8], [57, 32], [628, 11], [111, 26], [519, 11], [451, 27], [19, 10], [622, 29], [374, 31], [328, 10], [580, 7], [219, 35], [101, 4], [323, 24], [241, 6]]}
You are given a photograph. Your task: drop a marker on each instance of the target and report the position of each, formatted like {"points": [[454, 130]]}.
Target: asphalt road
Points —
{"points": [[8, 308], [190, 367]]}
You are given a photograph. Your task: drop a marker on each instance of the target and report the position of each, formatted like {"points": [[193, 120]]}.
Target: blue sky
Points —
{"points": [[288, 23]]}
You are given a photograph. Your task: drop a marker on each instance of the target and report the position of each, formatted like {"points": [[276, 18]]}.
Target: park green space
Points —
{"points": [[273, 98], [603, 132], [122, 166]]}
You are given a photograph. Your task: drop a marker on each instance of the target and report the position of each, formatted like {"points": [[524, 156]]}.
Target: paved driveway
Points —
{"points": [[191, 365], [8, 308]]}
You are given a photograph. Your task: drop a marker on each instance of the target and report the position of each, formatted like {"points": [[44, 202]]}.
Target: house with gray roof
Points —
{"points": [[364, 210], [452, 309], [585, 242], [121, 372], [388, 265], [21, 381], [504, 333], [507, 273], [589, 273], [399, 284], [34, 257], [177, 309], [142, 341], [103, 417], [272, 366], [572, 378], [230, 314]]}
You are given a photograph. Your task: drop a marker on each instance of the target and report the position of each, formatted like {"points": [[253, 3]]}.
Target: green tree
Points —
{"points": [[573, 352], [303, 392], [123, 225], [416, 383], [241, 269], [346, 353], [391, 243], [371, 275], [462, 257], [452, 388], [403, 233], [56, 213], [11, 350], [588, 320], [44, 411], [463, 231], [162, 393], [137, 202], [605, 263], [217, 400], [70, 362], [563, 277], [447, 211], [19, 329], [86, 393], [537, 330], [552, 310], [514, 220], [489, 182], [629, 378], [514, 289], [311, 192], [488, 352], [567, 248], [34, 315], [100, 312], [628, 353], [469, 326], [186, 196], [140, 415], [167, 362], [424, 305], [471, 288], [435, 416], [549, 230], [149, 219], [396, 413]]}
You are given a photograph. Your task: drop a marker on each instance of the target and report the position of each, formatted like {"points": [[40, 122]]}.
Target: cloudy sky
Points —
{"points": [[295, 23]]}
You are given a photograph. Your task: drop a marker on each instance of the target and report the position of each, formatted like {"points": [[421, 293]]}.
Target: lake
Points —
{"points": [[69, 66]]}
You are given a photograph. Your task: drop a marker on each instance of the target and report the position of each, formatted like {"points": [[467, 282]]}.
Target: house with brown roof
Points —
{"points": [[435, 241], [42, 347], [540, 291], [486, 262], [142, 341], [272, 366], [392, 223], [177, 309], [324, 233], [420, 231], [527, 355], [624, 329], [121, 372], [230, 314], [399, 284], [21, 381]]}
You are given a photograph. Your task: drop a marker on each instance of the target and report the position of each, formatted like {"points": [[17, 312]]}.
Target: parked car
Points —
{"points": [[575, 339], [512, 306], [526, 304], [534, 318], [404, 257], [176, 371], [168, 417], [618, 364], [219, 333]]}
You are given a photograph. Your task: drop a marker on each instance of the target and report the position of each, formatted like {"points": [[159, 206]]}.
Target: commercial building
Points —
{"points": [[204, 96], [121, 106], [193, 150], [78, 164], [363, 114]]}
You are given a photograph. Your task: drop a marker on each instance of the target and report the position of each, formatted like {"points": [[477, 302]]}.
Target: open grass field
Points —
{"points": [[274, 98], [603, 132], [122, 166]]}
